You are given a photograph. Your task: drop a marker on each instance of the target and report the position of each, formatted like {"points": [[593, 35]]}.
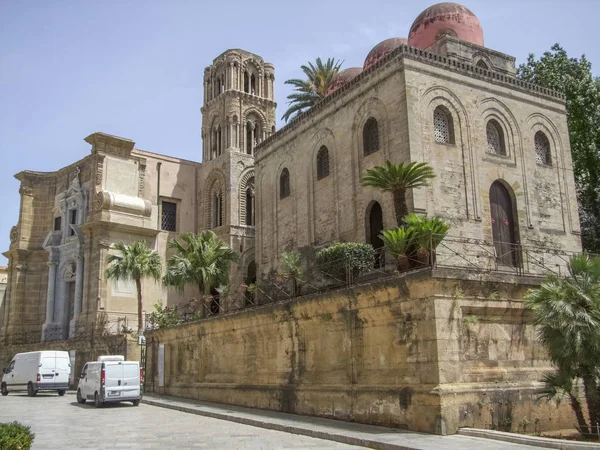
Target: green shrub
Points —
{"points": [[336, 260], [164, 317], [14, 436]]}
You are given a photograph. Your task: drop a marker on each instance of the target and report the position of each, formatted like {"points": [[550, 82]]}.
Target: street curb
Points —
{"points": [[535, 441], [336, 437]]}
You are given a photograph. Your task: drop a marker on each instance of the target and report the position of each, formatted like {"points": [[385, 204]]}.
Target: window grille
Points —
{"points": [[442, 124], [542, 149], [169, 216], [322, 163], [371, 137], [284, 184], [495, 139]]}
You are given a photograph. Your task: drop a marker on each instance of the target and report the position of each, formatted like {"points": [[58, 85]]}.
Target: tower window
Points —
{"points": [[246, 82], [169, 216], [250, 202], [370, 137], [284, 184], [495, 138], [443, 126], [217, 219], [322, 163], [542, 149], [57, 223]]}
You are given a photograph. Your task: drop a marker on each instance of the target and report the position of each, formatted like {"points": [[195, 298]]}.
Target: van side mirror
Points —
{"points": [[82, 376]]}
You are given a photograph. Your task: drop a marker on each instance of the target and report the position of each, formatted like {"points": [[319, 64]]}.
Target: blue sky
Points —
{"points": [[134, 68]]}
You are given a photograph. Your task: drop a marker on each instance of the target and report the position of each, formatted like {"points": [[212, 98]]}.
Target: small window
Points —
{"points": [[370, 137], [57, 223], [169, 216], [84, 371], [443, 126], [284, 184], [322, 163], [217, 210], [495, 138], [542, 149], [482, 65], [250, 202]]}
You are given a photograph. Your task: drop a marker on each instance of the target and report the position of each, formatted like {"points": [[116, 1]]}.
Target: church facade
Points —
{"points": [[499, 147]]}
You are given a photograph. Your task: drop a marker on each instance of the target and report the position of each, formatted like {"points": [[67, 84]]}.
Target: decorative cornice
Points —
{"points": [[107, 143], [26, 190], [262, 101], [413, 53]]}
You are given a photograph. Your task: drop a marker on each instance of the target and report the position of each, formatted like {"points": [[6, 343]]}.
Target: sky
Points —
{"points": [[134, 68]]}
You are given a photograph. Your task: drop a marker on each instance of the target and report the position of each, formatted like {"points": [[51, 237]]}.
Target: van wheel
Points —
{"points": [[61, 392], [4, 389], [136, 402], [97, 402], [80, 399], [30, 391]]}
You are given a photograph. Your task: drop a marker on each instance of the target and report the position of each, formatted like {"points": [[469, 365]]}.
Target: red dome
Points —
{"points": [[343, 77], [450, 18], [382, 49]]}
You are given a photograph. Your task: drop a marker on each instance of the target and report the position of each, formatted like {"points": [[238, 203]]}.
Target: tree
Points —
{"points": [[567, 313], [311, 91], [573, 77], [291, 268], [201, 259], [134, 262], [397, 179]]}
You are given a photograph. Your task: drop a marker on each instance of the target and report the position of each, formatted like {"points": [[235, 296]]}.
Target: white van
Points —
{"points": [[37, 371], [111, 379]]}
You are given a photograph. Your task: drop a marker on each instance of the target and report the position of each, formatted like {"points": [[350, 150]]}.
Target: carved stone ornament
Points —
{"points": [[100, 200], [26, 190], [69, 272], [14, 234]]}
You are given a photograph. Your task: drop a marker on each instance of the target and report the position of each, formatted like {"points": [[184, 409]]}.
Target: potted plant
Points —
{"points": [[398, 242]]}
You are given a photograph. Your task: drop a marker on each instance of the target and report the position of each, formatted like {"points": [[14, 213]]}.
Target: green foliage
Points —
{"points": [[313, 89], [567, 313], [355, 257], [398, 241], [397, 179], [470, 320], [200, 259], [428, 232], [14, 436], [573, 76], [164, 317], [291, 265]]}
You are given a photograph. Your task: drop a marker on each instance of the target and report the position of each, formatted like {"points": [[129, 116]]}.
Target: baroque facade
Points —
{"points": [[70, 219]]}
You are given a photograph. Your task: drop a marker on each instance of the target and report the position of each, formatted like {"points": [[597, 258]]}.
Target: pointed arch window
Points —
{"points": [[284, 184], [250, 202], [495, 138], [322, 163], [482, 65], [370, 136], [443, 125], [542, 149], [217, 210]]}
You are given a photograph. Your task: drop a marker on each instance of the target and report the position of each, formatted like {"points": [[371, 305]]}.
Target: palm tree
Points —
{"points": [[567, 312], [134, 262], [309, 92], [397, 179], [291, 263], [201, 259]]}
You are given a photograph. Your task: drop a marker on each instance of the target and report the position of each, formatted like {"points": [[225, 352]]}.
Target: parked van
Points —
{"points": [[111, 379], [37, 371]]}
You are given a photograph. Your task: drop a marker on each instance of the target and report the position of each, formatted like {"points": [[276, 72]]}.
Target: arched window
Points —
{"points": [[495, 138], [482, 65], [217, 210], [443, 126], [246, 82], [273, 129], [322, 163], [253, 84], [249, 137], [370, 137], [374, 229], [284, 183], [542, 149], [250, 202]]}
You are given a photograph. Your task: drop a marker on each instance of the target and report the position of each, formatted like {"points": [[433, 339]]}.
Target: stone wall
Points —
{"points": [[430, 351]]}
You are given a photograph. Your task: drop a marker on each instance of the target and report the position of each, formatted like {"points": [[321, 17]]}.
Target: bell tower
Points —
{"points": [[238, 113]]}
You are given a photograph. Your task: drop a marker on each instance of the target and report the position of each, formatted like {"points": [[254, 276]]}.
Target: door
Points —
{"points": [[503, 225], [122, 380], [375, 229], [63, 368], [48, 369]]}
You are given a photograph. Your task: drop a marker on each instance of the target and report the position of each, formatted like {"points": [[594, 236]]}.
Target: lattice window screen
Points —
{"points": [[441, 126], [169, 216], [542, 149]]}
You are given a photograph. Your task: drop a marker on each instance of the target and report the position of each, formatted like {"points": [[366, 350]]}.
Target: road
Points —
{"points": [[61, 423]]}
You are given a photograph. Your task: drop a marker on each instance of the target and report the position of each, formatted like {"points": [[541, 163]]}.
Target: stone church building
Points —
{"points": [[499, 147]]}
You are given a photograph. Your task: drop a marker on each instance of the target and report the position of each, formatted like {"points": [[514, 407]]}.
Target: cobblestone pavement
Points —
{"points": [[61, 423]]}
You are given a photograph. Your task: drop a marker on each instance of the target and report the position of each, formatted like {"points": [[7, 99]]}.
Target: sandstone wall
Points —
{"points": [[429, 351]]}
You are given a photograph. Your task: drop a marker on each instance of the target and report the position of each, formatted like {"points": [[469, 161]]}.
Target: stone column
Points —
{"points": [[231, 76], [78, 287], [50, 293], [245, 137]]}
